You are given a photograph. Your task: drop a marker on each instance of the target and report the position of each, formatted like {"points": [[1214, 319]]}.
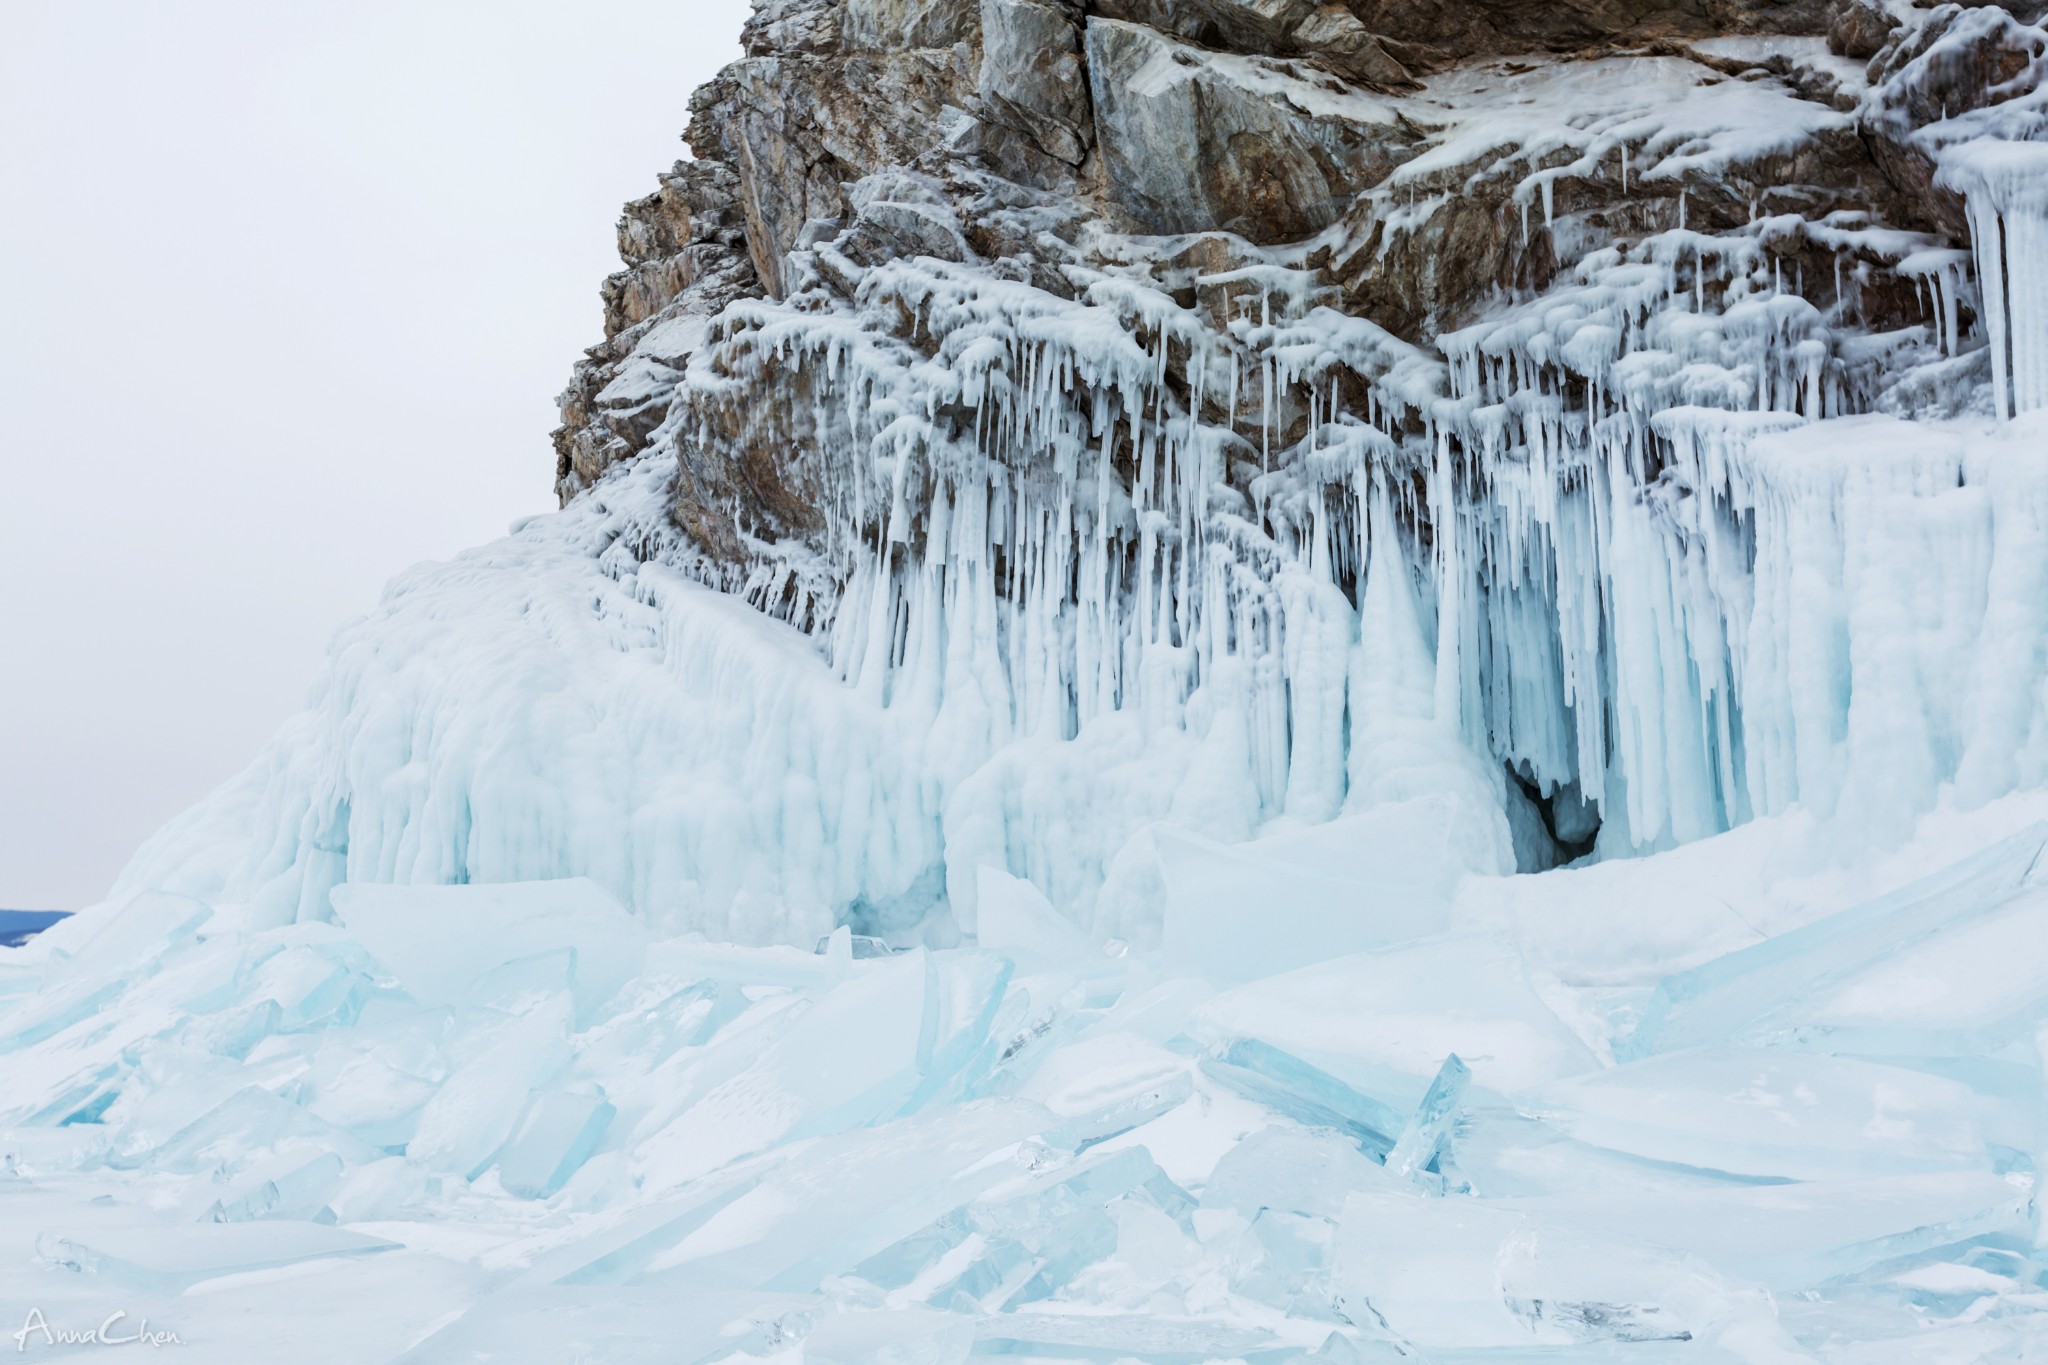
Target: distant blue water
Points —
{"points": [[19, 926]]}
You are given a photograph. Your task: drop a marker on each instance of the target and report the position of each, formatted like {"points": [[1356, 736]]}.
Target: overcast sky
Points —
{"points": [[286, 293]]}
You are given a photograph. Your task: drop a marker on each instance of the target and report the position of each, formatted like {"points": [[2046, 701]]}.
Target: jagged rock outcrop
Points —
{"points": [[1269, 120]]}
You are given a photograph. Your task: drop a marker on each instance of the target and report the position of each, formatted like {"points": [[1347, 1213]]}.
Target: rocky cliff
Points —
{"points": [[1267, 122], [1133, 325]]}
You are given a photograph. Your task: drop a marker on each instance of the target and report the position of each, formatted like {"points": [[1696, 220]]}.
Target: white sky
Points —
{"points": [[286, 293]]}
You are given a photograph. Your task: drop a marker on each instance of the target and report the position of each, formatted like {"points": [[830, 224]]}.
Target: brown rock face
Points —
{"points": [[1039, 141], [1191, 143], [1859, 28], [1034, 93]]}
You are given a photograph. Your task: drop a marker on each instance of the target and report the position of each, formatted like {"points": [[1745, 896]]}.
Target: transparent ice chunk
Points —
{"points": [[438, 940], [474, 1111], [1294, 1170], [1306, 1094], [1423, 1136], [1013, 916], [1403, 1010], [295, 1185], [555, 1136]]}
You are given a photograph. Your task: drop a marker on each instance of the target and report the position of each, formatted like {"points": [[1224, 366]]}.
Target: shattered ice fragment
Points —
{"points": [[475, 1109], [1307, 1094], [1713, 1002], [1466, 1273], [1294, 1170], [556, 1135], [438, 940], [1423, 1135], [844, 943], [294, 1186], [1401, 1010], [1013, 916], [1770, 1113]]}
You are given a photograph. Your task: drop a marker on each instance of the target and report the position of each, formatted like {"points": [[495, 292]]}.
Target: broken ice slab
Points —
{"points": [[1025, 1240], [295, 1185], [1424, 1134], [882, 1042], [313, 985], [1772, 1113], [965, 993], [1466, 1273], [843, 1060], [1294, 1170], [31, 1152], [474, 1111], [554, 1137], [373, 1079], [101, 943], [52, 1010], [1283, 1259], [247, 1125], [617, 1326], [1013, 916], [694, 960], [1097, 1083], [785, 1225], [1239, 912], [1403, 1010], [1279, 1080], [843, 942], [437, 940], [1970, 987], [1742, 992], [1792, 1236], [175, 1257]]}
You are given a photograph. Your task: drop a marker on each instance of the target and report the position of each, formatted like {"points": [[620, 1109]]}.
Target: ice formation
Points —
{"points": [[1058, 790]]}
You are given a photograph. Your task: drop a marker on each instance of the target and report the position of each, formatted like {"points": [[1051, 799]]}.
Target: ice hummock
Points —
{"points": [[1426, 1147]]}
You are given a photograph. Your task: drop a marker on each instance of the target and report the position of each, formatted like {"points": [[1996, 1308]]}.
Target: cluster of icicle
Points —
{"points": [[1995, 154], [1072, 508], [2005, 185]]}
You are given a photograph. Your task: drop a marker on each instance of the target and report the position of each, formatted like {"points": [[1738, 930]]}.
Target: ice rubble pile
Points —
{"points": [[1476, 1143]]}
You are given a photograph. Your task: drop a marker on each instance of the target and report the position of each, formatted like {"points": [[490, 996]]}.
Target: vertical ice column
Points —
{"points": [[2006, 187]]}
